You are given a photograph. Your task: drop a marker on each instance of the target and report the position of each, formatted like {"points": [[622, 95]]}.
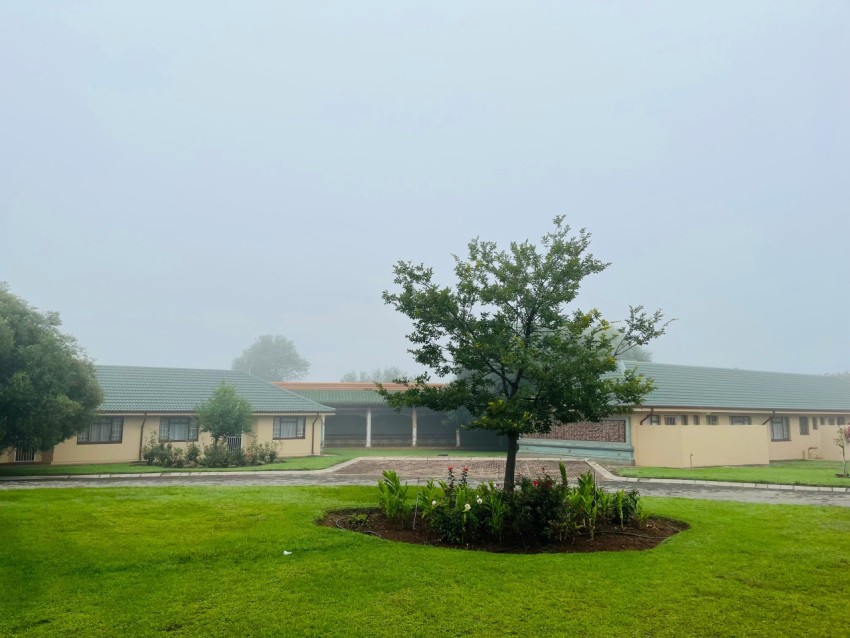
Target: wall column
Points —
{"points": [[322, 437], [368, 427], [413, 427], [457, 437]]}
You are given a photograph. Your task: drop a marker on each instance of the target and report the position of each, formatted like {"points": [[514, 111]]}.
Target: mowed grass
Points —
{"points": [[780, 472], [330, 458], [197, 561]]}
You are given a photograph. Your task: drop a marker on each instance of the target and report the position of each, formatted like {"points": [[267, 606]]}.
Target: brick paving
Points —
{"points": [[480, 469]]}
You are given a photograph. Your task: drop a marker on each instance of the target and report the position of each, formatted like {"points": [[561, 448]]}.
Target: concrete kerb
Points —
{"points": [[602, 471]]}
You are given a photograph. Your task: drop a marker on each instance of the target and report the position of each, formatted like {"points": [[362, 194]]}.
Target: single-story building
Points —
{"points": [[362, 418], [140, 401], [698, 416]]}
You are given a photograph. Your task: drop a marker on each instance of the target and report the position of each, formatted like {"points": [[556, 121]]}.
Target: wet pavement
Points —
{"points": [[367, 470]]}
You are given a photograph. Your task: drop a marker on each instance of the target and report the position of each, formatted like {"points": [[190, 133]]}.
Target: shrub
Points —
{"points": [[393, 496], [193, 453], [538, 511]]}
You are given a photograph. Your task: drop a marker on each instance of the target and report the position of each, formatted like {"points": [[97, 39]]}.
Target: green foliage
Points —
{"points": [[257, 454], [224, 414], [393, 496], [193, 453], [156, 452], [537, 512], [272, 358], [48, 388], [522, 360]]}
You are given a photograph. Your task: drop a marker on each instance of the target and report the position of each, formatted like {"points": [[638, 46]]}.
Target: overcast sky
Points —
{"points": [[177, 178]]}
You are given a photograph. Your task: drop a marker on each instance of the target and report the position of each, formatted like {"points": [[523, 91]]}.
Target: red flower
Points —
{"points": [[450, 468], [466, 469], [535, 483]]}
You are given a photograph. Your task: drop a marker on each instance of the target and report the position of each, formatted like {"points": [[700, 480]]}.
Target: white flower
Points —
{"points": [[433, 503], [467, 507], [479, 500]]}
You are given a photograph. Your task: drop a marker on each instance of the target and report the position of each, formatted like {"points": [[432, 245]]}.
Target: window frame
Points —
{"points": [[696, 419], [191, 427], [671, 420], [783, 422], [712, 419], [740, 419], [116, 425], [804, 425], [278, 423]]}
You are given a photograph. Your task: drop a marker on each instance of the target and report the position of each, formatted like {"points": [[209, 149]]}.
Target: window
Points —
{"points": [[804, 425], [823, 420], [669, 420], [654, 419], [779, 429], [684, 419], [289, 427], [841, 420], [711, 419], [696, 419], [178, 428], [814, 423], [739, 420], [832, 420], [107, 429]]}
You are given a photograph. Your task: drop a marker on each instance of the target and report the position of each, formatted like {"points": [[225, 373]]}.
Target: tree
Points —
{"points": [[224, 414], [387, 374], [522, 362], [633, 353], [48, 388], [272, 358]]}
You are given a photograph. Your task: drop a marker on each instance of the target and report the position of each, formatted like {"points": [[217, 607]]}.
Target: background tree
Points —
{"points": [[522, 362], [631, 353], [48, 388], [378, 374], [272, 358], [224, 414]]}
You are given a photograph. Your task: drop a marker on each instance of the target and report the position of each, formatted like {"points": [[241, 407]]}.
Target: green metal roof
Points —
{"points": [[344, 398], [138, 389], [698, 387]]}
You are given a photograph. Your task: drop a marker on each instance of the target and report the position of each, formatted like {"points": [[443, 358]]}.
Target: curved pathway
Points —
{"points": [[367, 470]]}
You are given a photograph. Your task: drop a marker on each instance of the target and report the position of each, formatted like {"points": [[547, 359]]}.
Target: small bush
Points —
{"points": [[393, 496], [538, 511]]}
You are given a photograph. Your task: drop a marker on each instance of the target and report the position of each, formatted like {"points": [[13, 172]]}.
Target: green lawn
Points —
{"points": [[194, 561], [785, 472], [331, 457]]}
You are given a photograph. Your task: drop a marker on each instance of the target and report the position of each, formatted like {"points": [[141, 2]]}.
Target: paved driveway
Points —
{"points": [[367, 470]]}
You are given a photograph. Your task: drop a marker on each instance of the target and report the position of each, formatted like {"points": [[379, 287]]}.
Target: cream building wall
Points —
{"points": [[698, 445], [138, 430]]}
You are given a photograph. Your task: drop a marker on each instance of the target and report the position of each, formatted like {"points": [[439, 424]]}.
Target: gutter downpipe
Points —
{"points": [[651, 411], [142, 434], [770, 418], [313, 435]]}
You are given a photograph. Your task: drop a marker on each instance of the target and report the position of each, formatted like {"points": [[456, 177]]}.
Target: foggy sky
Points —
{"points": [[179, 178]]}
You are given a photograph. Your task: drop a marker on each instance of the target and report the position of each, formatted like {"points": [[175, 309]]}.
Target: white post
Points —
{"points": [[368, 427], [457, 437], [413, 427], [322, 439]]}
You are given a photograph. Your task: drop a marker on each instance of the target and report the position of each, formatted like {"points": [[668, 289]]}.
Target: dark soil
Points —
{"points": [[609, 539]]}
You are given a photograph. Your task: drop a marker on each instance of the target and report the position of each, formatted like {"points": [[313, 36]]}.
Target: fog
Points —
{"points": [[178, 178]]}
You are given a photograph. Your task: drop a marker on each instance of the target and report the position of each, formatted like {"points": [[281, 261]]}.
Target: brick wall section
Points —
{"points": [[610, 431]]}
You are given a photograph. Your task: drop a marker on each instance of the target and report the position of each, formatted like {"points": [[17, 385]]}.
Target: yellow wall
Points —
{"points": [[70, 452], [698, 445]]}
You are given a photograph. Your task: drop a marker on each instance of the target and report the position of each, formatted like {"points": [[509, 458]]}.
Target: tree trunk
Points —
{"points": [[510, 463]]}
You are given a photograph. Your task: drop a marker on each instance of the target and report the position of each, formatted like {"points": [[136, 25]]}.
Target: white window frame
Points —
{"points": [[167, 422], [106, 430], [284, 425]]}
